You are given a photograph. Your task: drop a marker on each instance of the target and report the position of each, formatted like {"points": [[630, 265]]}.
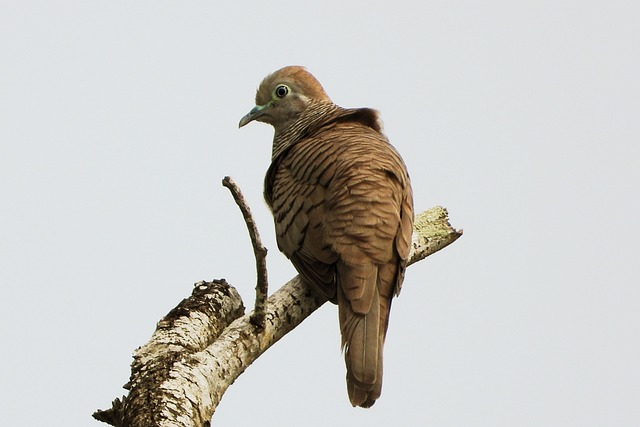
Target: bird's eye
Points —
{"points": [[282, 91]]}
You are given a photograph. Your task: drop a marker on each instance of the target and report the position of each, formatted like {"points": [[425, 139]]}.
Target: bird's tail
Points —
{"points": [[362, 341]]}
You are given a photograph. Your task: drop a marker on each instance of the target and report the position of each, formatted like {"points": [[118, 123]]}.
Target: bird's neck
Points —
{"points": [[314, 116]]}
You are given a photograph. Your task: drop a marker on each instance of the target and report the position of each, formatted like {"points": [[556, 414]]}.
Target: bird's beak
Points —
{"points": [[255, 112]]}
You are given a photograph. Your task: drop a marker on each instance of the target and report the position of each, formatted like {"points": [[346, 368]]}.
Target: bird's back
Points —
{"points": [[343, 210], [340, 193]]}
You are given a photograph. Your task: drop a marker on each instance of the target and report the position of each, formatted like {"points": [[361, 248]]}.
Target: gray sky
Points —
{"points": [[119, 119]]}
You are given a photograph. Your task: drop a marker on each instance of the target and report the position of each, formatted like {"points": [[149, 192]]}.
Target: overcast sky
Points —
{"points": [[118, 120]]}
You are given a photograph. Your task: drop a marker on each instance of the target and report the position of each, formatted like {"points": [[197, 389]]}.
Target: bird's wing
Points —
{"points": [[297, 189], [341, 194]]}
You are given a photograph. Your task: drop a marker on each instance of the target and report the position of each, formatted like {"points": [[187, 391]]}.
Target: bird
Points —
{"points": [[342, 203]]}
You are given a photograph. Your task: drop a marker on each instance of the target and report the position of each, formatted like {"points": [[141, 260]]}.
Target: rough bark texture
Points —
{"points": [[205, 343]]}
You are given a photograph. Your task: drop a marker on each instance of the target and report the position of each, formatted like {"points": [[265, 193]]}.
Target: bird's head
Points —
{"points": [[283, 96]]}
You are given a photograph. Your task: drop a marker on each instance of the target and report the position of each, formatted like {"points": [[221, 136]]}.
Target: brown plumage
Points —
{"points": [[343, 210]]}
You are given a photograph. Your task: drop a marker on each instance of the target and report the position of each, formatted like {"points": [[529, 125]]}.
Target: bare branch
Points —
{"points": [[163, 391], [259, 251], [187, 381], [431, 232]]}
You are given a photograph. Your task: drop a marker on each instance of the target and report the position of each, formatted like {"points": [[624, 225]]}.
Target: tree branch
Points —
{"points": [[259, 251], [179, 377]]}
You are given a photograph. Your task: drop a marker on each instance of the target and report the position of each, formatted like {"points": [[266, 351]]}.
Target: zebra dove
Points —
{"points": [[343, 209]]}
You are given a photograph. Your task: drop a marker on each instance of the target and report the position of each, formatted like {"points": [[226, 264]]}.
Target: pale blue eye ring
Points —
{"points": [[281, 91]]}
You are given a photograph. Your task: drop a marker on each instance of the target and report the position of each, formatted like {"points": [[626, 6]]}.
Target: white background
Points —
{"points": [[118, 120]]}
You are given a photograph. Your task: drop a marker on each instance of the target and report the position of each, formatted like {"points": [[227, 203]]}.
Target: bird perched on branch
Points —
{"points": [[343, 209]]}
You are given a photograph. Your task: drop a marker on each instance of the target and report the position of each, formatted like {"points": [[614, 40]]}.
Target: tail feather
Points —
{"points": [[362, 341]]}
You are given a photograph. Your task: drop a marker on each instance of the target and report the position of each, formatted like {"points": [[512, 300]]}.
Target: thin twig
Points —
{"points": [[260, 252]]}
